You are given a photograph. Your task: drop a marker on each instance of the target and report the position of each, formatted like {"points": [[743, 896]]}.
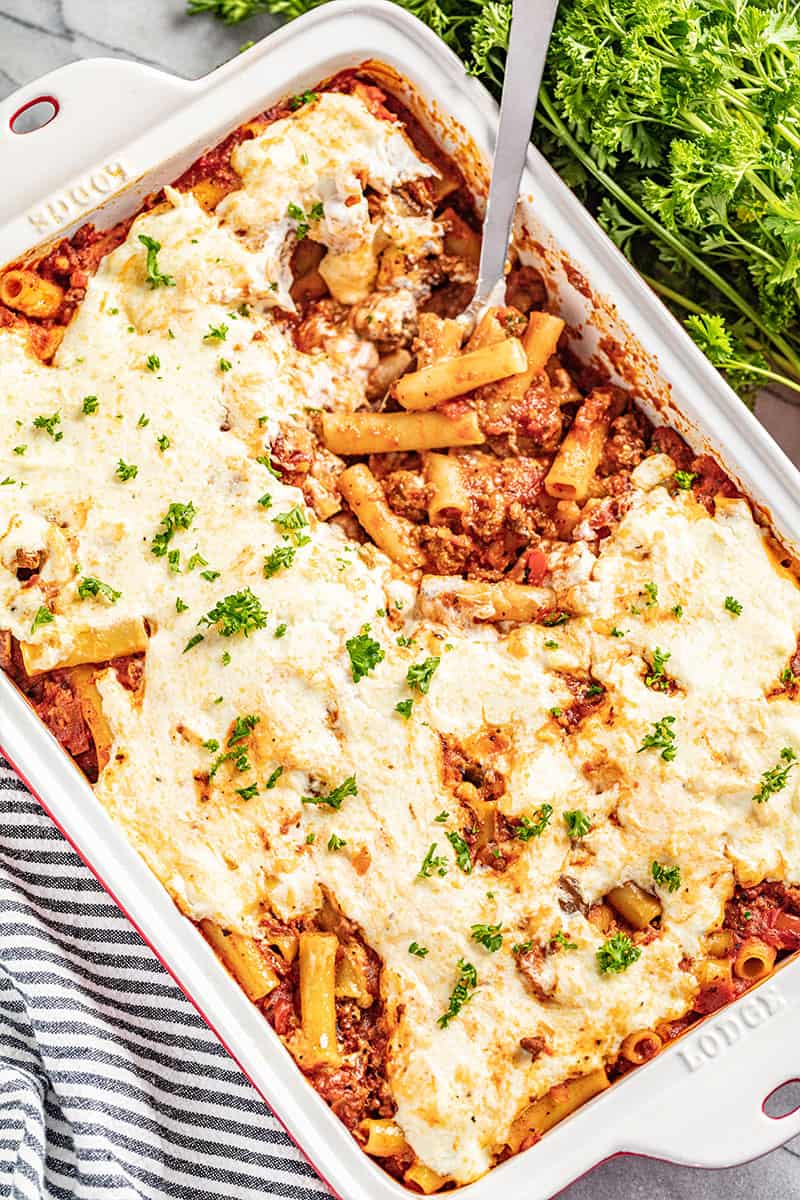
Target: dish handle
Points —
{"points": [[67, 127], [710, 1109]]}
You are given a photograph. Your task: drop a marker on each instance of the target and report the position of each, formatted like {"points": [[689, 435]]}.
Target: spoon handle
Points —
{"points": [[531, 27]]}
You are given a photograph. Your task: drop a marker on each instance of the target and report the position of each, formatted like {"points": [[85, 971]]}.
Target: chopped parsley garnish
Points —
{"points": [[733, 606], [775, 779], [266, 461], [684, 480], [163, 442], [240, 612], [281, 557], [265, 501], [556, 711], [617, 632], [365, 654], [89, 586], [226, 659], [225, 364], [155, 277], [336, 843], [677, 611], [560, 939], [657, 678], [404, 707], [667, 877], [193, 641], [43, 617], [662, 738], [419, 675], [594, 689], [488, 936], [48, 424], [652, 594], [304, 98], [7, 481], [617, 954], [211, 745], [273, 779], [304, 220], [90, 405], [461, 849], [210, 576], [180, 605], [334, 799], [126, 471], [216, 333], [196, 560], [577, 823], [153, 362], [241, 730], [521, 947], [461, 993], [143, 421], [20, 449], [291, 523], [556, 617], [417, 950], [174, 560], [280, 630], [528, 828], [432, 862], [248, 792], [550, 644], [788, 676], [402, 640], [442, 817]]}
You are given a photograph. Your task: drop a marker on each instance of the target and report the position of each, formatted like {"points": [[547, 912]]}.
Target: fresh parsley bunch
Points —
{"points": [[678, 123]]}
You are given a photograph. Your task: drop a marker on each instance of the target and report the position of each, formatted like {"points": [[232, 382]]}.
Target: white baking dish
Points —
{"points": [[122, 130]]}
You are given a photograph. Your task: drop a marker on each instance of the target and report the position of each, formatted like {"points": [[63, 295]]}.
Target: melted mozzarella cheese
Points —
{"points": [[148, 353]]}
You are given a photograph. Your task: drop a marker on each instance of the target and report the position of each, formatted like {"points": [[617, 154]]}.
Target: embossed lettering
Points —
{"points": [[722, 1034], [59, 210]]}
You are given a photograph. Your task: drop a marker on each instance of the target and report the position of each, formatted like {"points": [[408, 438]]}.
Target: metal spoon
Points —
{"points": [[531, 28]]}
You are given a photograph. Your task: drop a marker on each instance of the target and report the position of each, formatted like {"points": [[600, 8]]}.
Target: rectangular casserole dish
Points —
{"points": [[119, 160]]}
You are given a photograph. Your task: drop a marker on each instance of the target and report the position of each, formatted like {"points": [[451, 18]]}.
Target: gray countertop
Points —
{"points": [[39, 35]]}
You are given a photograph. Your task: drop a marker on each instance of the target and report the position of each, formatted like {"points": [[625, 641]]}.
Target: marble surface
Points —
{"points": [[39, 35]]}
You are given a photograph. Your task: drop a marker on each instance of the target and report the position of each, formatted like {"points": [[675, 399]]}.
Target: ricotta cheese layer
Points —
{"points": [[193, 411]]}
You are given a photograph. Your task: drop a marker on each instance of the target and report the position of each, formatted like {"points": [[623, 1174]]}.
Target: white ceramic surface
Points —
{"points": [[700, 1102]]}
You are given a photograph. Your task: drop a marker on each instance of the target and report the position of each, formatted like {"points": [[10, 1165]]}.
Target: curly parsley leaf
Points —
{"points": [[662, 738], [488, 936], [240, 612], [91, 587], [617, 954], [666, 877], [776, 778], [43, 617], [335, 798], [419, 675], [528, 828], [461, 850], [577, 823], [432, 862], [365, 654], [462, 993], [155, 277]]}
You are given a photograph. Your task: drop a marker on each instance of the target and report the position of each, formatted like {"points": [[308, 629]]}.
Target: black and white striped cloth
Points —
{"points": [[111, 1087]]}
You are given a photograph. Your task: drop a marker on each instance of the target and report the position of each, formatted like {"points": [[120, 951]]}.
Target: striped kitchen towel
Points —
{"points": [[110, 1084]]}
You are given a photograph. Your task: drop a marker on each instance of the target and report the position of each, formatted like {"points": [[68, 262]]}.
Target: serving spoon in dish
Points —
{"points": [[529, 39]]}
